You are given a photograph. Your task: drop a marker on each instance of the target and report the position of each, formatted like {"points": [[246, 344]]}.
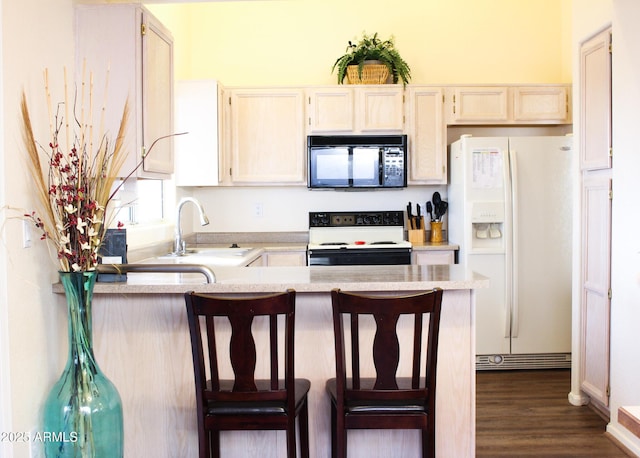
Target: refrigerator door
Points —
{"points": [[541, 311], [478, 217]]}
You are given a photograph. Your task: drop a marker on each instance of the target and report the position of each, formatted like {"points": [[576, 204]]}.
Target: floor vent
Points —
{"points": [[533, 361]]}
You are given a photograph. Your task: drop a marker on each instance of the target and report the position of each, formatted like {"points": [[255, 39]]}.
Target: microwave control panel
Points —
{"points": [[394, 167]]}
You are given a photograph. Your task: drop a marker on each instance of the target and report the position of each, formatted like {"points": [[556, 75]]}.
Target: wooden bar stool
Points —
{"points": [[384, 401], [244, 402]]}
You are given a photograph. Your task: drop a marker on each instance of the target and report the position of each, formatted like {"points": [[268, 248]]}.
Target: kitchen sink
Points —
{"points": [[219, 251], [215, 256]]}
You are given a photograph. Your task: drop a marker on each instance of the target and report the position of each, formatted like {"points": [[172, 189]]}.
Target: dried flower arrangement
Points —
{"points": [[75, 183]]}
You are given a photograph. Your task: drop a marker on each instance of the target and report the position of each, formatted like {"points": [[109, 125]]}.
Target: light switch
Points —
{"points": [[26, 234]]}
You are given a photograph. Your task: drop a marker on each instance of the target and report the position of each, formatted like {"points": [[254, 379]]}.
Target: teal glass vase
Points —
{"points": [[83, 412]]}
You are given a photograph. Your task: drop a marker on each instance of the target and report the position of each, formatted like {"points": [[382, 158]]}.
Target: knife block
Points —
{"points": [[417, 236]]}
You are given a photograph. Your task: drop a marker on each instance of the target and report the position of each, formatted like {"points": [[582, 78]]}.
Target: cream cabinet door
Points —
{"points": [[429, 258], [595, 100], [426, 132], [136, 63], [266, 136], [331, 109], [596, 284], [481, 104], [157, 95], [380, 109], [197, 113], [356, 109], [285, 258], [541, 103]]}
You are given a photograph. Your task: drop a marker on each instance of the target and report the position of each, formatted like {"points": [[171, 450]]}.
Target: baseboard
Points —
{"points": [[623, 439], [600, 409]]}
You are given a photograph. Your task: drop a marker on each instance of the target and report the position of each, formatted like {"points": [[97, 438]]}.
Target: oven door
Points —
{"points": [[359, 256]]}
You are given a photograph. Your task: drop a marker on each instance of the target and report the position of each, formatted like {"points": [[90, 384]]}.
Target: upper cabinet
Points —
{"points": [[595, 101], [265, 140], [426, 131], [548, 104], [536, 104], [197, 114], [477, 104], [357, 109], [130, 54]]}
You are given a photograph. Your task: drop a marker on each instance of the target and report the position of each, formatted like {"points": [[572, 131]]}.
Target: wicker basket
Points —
{"points": [[371, 74]]}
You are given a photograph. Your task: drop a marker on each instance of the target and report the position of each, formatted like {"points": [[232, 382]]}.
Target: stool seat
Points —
{"points": [[378, 405], [302, 387]]}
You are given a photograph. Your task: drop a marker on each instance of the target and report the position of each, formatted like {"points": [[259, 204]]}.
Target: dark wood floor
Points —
{"points": [[527, 414]]}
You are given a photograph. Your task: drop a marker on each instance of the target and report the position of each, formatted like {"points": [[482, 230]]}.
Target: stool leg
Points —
{"points": [[215, 444], [291, 437], [303, 420], [334, 451]]}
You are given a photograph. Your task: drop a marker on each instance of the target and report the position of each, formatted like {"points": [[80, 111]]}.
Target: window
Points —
{"points": [[138, 202]]}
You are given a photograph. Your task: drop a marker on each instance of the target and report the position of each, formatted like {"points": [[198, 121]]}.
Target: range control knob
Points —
{"points": [[318, 219]]}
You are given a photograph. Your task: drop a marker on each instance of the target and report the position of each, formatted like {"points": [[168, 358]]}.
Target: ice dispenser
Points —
{"points": [[487, 219]]}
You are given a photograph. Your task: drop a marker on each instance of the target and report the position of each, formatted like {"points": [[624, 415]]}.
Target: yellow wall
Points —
{"points": [[285, 42]]}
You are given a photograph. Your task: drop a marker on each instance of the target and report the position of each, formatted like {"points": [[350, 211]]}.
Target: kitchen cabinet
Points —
{"points": [[130, 55], [427, 135], [534, 104], [595, 102], [285, 258], [265, 140], [477, 104], [359, 109], [432, 257], [197, 114], [541, 103]]}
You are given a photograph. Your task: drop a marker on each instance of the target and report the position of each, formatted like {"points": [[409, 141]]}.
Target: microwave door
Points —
{"points": [[329, 167], [365, 166]]}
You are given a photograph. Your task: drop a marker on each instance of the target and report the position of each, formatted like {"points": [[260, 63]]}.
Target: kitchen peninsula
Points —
{"points": [[141, 340]]}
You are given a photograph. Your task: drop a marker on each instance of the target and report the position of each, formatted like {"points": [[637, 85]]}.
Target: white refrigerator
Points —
{"points": [[510, 212]]}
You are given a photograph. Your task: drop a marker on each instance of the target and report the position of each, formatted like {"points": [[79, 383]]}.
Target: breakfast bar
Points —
{"points": [[141, 341]]}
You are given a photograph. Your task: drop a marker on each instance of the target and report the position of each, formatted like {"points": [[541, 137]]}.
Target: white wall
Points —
{"points": [[625, 270], [287, 209], [36, 34]]}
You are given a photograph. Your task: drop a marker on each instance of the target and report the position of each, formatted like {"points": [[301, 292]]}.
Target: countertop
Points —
{"points": [[302, 246], [302, 279]]}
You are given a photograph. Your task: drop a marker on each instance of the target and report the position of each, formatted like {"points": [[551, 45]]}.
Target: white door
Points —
{"points": [[541, 307], [595, 95], [596, 283]]}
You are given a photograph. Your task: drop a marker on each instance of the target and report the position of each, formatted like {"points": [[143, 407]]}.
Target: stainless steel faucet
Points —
{"points": [[179, 245]]}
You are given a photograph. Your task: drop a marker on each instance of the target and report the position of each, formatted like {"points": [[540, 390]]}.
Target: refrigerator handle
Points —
{"points": [[507, 231], [513, 269]]}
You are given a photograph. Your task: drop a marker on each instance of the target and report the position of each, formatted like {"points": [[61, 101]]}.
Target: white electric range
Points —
{"points": [[357, 238]]}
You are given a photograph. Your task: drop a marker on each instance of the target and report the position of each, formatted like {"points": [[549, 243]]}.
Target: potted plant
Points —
{"points": [[371, 48]]}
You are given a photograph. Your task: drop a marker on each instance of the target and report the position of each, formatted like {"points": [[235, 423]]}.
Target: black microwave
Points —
{"points": [[357, 161]]}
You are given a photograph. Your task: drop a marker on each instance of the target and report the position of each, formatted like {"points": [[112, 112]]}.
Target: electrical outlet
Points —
{"points": [[258, 210]]}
